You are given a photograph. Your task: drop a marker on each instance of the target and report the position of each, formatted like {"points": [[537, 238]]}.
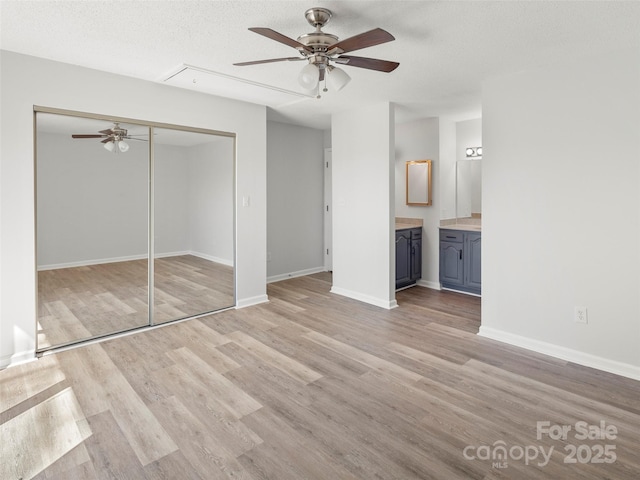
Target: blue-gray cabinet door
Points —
{"points": [[451, 263], [416, 256], [403, 258], [472, 262]]}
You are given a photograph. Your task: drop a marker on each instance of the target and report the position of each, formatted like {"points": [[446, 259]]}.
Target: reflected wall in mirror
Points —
{"points": [[98, 223], [418, 185], [92, 216], [193, 223], [469, 188]]}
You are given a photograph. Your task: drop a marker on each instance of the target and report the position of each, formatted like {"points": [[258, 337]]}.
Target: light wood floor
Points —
{"points": [[312, 386], [84, 302]]}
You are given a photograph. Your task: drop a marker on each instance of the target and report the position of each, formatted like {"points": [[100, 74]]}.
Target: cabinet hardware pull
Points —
{"points": [[460, 254], [451, 236]]}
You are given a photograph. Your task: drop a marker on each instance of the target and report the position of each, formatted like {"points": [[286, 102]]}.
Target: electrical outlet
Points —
{"points": [[580, 314]]}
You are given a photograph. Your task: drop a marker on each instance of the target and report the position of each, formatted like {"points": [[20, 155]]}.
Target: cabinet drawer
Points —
{"points": [[451, 236], [416, 233]]}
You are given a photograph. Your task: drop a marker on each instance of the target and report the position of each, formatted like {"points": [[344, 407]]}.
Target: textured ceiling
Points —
{"points": [[445, 49]]}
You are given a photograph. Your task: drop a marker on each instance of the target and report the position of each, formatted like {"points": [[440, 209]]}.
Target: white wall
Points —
{"points": [[171, 199], [295, 199], [28, 81], [447, 167], [210, 195], [561, 210], [363, 200], [92, 204], [419, 140]]}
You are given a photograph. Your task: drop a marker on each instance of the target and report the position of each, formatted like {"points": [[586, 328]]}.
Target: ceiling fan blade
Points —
{"points": [[106, 132], [363, 40], [92, 135], [107, 140], [270, 60], [278, 37], [139, 139], [370, 63]]}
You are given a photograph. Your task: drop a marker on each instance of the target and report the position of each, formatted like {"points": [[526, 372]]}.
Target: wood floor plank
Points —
{"points": [[111, 453], [83, 302], [234, 399], [41, 435], [208, 457], [143, 432], [364, 358], [286, 364], [311, 386]]}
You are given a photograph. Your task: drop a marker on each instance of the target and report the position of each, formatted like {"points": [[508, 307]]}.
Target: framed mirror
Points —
{"points": [[418, 176]]}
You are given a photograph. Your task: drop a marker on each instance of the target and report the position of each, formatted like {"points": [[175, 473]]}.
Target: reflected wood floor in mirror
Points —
{"points": [[83, 302], [311, 385]]}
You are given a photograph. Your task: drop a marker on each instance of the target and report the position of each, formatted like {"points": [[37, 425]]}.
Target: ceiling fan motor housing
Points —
{"points": [[317, 16], [319, 41]]}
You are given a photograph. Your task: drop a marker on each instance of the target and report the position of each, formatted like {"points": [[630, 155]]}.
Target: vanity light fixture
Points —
{"points": [[474, 152]]}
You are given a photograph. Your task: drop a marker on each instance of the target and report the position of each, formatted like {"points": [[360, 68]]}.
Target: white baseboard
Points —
{"points": [[17, 358], [211, 258], [568, 354], [86, 263], [128, 258], [171, 254], [299, 273], [247, 302], [428, 284], [378, 302]]}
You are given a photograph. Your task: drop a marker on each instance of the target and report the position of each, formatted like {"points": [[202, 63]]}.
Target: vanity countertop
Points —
{"points": [[403, 223], [404, 226], [459, 226]]}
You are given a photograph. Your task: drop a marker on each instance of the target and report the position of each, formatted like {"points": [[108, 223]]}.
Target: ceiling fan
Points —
{"points": [[321, 50], [113, 137]]}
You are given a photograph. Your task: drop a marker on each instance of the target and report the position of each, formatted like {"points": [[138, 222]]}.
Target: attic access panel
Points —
{"points": [[223, 85]]}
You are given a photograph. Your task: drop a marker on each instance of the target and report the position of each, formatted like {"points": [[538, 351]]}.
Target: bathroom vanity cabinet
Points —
{"points": [[460, 266], [408, 256]]}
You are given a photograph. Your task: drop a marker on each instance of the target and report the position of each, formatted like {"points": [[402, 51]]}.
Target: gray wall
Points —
{"points": [[295, 198], [93, 204]]}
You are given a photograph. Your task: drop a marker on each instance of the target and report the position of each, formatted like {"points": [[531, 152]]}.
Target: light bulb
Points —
{"points": [[479, 151], [338, 78], [123, 146], [469, 152], [309, 76], [110, 146]]}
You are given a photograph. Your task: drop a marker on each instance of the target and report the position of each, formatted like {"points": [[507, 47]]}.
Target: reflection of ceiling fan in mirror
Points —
{"points": [[113, 138], [321, 49]]}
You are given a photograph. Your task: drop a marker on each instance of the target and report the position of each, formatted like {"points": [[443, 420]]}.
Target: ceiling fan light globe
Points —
{"points": [[110, 146], [338, 78], [123, 146], [309, 76]]}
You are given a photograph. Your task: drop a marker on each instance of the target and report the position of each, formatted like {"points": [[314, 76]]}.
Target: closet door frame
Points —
{"points": [[151, 125]]}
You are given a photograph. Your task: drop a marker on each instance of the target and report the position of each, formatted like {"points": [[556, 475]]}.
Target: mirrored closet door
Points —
{"points": [[112, 194], [193, 180]]}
